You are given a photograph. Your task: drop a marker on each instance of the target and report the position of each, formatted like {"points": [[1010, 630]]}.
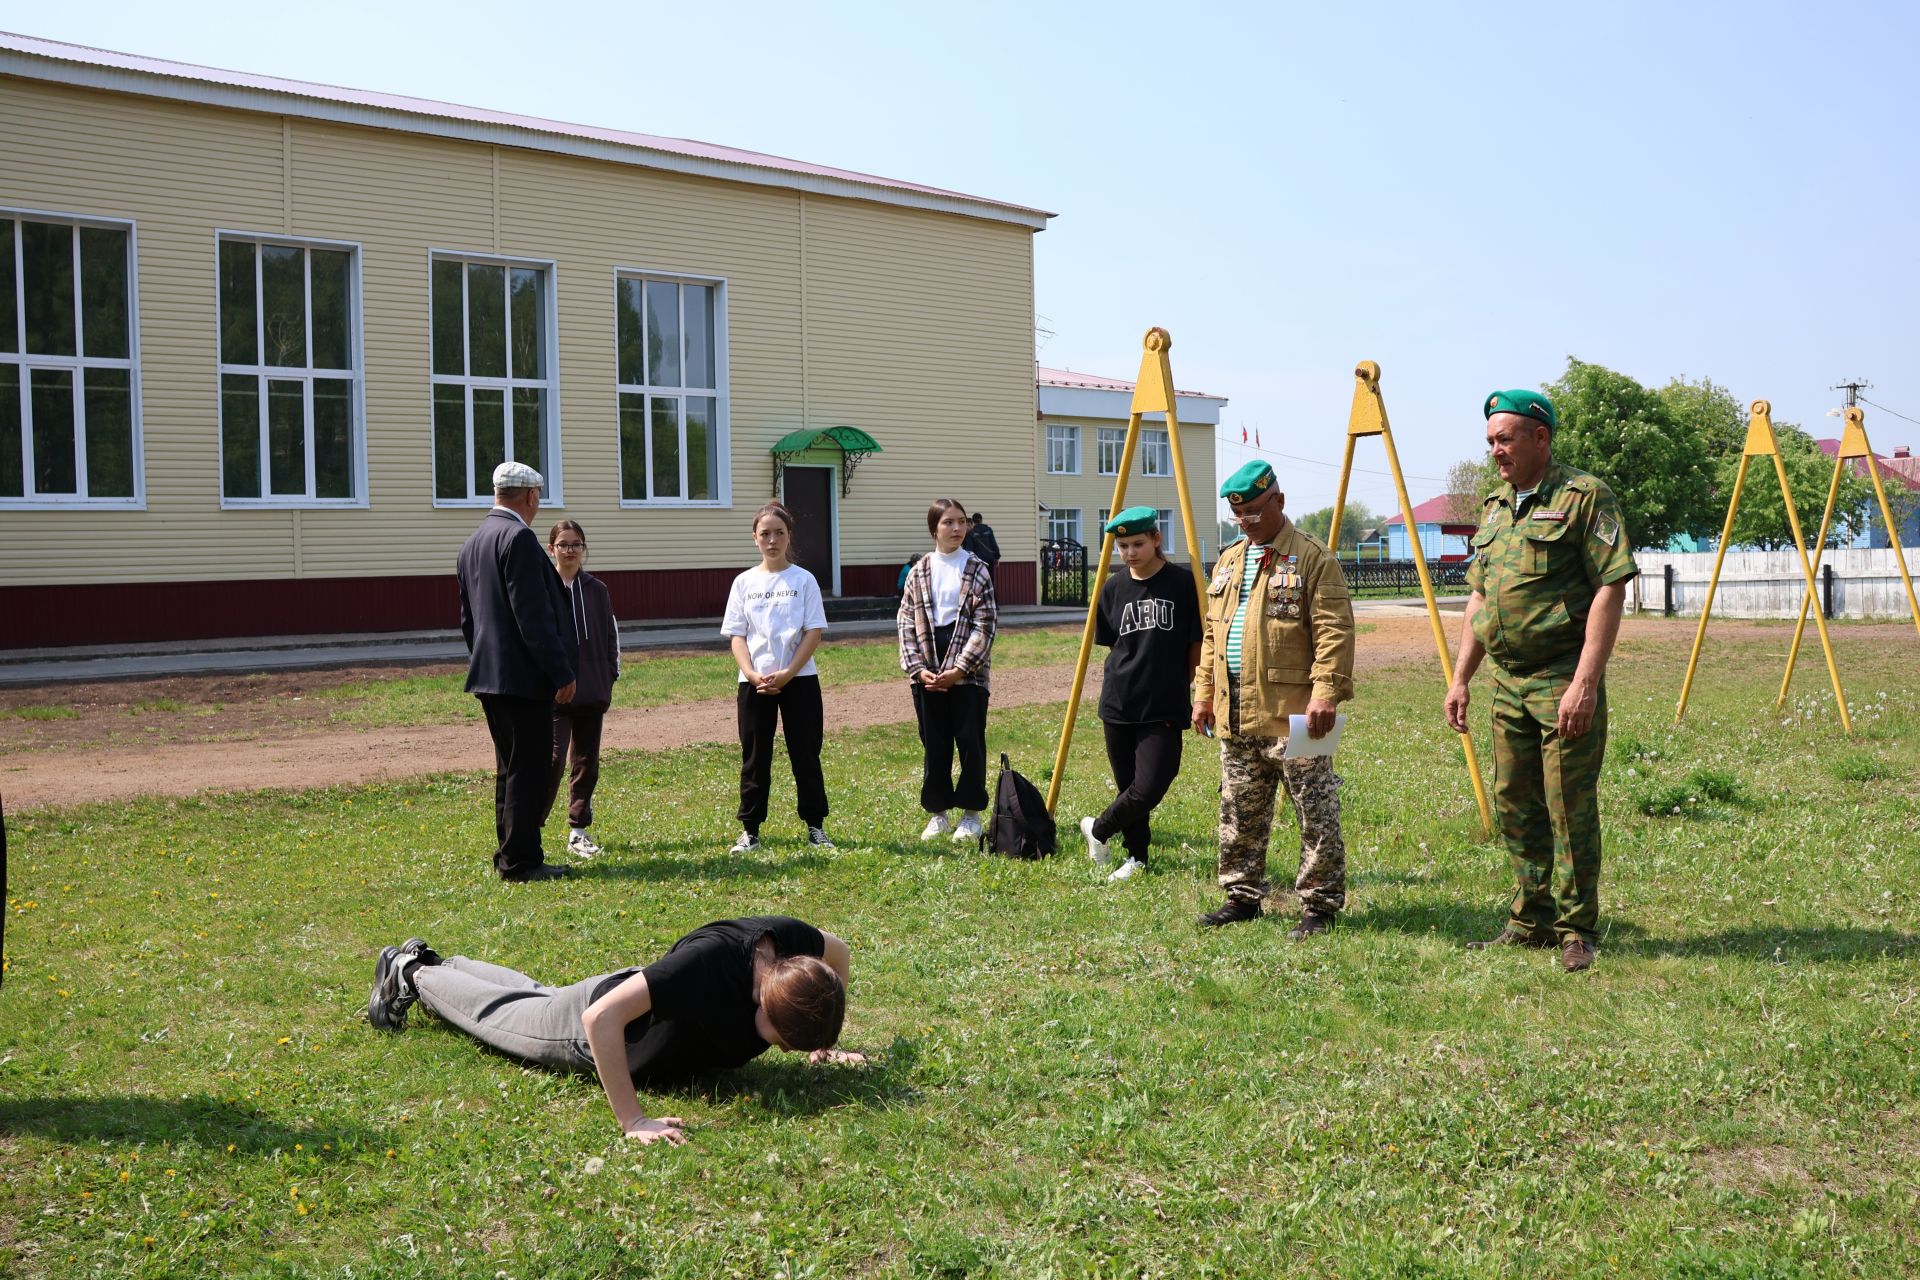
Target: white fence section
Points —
{"points": [[1769, 584]]}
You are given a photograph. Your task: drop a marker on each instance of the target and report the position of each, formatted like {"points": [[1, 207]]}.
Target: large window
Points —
{"points": [[1063, 524], [493, 376], [1156, 457], [1113, 443], [672, 369], [69, 377], [289, 382], [1063, 450]]}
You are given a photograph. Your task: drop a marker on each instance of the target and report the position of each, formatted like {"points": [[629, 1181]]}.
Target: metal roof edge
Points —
{"points": [[90, 75]]}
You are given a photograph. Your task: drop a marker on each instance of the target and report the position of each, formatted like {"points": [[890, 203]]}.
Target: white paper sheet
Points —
{"points": [[1300, 746]]}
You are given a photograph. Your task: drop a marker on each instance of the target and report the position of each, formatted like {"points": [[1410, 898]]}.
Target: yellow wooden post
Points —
{"points": [[1152, 393], [1761, 443], [1853, 444], [1368, 417]]}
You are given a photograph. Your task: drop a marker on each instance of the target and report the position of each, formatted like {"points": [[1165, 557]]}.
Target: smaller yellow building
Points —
{"points": [[1082, 428]]}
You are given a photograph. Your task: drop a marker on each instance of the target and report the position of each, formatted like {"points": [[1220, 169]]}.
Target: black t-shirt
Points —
{"points": [[1150, 626], [703, 1006]]}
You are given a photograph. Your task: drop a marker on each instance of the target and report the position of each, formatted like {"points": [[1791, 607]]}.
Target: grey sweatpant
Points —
{"points": [[509, 1011]]}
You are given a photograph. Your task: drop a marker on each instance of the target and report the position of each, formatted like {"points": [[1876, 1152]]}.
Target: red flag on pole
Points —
{"points": [[1243, 435]]}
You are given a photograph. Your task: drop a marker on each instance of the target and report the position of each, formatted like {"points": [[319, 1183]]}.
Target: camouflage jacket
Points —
{"points": [[1297, 643], [1539, 565]]}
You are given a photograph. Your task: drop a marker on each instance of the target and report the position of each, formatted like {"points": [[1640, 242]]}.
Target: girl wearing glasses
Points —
{"points": [[577, 724]]}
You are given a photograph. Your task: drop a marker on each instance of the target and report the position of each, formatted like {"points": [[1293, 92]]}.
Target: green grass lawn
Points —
{"points": [[1071, 1080]]}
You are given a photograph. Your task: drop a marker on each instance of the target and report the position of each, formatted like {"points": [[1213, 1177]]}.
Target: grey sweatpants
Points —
{"points": [[509, 1011]]}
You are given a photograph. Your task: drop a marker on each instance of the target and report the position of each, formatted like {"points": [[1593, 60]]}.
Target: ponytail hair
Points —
{"points": [[775, 510], [805, 1001]]}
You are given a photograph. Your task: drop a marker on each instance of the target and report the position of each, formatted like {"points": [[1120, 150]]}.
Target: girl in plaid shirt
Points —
{"points": [[946, 623]]}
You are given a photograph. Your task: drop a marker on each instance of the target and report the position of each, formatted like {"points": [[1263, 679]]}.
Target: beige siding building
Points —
{"points": [[1082, 431], [265, 342]]}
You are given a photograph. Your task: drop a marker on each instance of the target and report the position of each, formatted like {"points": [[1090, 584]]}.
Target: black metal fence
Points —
{"points": [[1063, 573], [1402, 577]]}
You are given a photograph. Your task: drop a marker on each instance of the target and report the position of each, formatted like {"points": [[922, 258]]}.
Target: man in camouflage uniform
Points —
{"points": [[1278, 643], [1549, 573]]}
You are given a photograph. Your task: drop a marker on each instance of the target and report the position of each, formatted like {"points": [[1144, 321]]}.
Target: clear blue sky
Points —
{"points": [[1719, 190]]}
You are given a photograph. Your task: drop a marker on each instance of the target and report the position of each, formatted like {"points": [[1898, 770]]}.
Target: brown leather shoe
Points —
{"points": [[1510, 937], [1311, 922], [1236, 910], [1577, 954]]}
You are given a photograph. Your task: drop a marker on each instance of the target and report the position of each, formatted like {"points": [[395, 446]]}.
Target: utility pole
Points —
{"points": [[1853, 390]]}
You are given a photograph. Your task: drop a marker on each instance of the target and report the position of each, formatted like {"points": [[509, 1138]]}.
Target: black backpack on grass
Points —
{"points": [[1020, 827]]}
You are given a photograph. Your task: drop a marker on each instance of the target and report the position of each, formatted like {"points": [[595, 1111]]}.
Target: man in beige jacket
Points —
{"points": [[1279, 643]]}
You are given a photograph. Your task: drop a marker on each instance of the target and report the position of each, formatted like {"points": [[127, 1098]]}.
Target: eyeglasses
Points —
{"points": [[569, 546]]}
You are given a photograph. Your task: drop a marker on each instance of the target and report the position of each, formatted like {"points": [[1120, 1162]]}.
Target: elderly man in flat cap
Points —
{"points": [[1548, 580], [1278, 643], [522, 656]]}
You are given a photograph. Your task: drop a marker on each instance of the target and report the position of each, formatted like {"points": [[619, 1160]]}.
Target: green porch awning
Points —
{"points": [[854, 444]]}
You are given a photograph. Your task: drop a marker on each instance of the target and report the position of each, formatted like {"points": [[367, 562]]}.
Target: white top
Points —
{"points": [[947, 566], [773, 610]]}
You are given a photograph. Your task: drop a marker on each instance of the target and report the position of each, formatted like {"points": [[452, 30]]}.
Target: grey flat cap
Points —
{"points": [[517, 475]]}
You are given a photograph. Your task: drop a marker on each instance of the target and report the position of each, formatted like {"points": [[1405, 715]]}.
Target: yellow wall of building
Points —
{"points": [[1091, 492], [915, 326]]}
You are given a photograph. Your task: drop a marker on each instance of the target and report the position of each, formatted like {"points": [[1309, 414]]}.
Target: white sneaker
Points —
{"points": [[581, 845], [747, 843], [1096, 847], [1126, 870], [969, 828], [938, 825]]}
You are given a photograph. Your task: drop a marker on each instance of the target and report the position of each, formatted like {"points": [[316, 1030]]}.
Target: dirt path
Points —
{"points": [[293, 745]]}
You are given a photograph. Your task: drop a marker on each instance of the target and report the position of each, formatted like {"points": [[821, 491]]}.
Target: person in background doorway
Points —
{"points": [[577, 724], [522, 654], [946, 624], [775, 620], [1149, 619]]}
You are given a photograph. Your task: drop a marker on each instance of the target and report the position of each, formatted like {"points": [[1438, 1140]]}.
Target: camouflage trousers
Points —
{"points": [[1252, 771], [1546, 792]]}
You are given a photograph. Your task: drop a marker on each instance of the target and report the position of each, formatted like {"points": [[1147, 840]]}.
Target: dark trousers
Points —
{"points": [[1145, 759], [522, 730], [576, 742], [950, 721], [803, 724]]}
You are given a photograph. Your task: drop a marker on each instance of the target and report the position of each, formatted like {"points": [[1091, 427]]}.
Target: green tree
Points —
{"points": [[1354, 524], [1762, 519], [1469, 481]]}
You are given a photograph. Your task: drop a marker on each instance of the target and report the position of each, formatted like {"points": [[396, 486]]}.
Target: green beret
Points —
{"points": [[1528, 404], [1134, 520], [1249, 482]]}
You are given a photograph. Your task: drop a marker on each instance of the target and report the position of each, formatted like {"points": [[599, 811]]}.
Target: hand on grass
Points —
{"points": [[845, 1056], [668, 1128]]}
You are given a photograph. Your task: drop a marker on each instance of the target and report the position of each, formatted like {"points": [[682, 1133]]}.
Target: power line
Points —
{"points": [[1332, 466], [1895, 412]]}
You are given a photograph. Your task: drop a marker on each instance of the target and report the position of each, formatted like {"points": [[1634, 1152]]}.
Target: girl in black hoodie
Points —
{"points": [[577, 724]]}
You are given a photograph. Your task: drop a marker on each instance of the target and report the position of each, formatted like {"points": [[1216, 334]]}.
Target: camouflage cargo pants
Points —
{"points": [[1252, 771], [1547, 792]]}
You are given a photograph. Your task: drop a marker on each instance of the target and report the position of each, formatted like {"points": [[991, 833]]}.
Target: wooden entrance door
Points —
{"points": [[809, 495]]}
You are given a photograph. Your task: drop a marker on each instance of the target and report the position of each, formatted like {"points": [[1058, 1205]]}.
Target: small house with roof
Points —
{"points": [[1900, 477], [1442, 537]]}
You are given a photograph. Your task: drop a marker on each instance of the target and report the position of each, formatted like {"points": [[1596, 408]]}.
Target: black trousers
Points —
{"points": [[576, 742], [522, 730], [952, 721], [803, 723], [1145, 759]]}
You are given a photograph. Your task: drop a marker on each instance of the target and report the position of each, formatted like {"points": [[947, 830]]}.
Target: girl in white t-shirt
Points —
{"points": [[775, 619]]}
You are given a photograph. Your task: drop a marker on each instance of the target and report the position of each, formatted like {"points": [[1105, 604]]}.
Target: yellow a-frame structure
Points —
{"points": [[1761, 443], [1368, 417], [1152, 393], [1853, 444]]}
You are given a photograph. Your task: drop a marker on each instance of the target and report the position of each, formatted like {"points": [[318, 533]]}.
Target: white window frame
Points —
{"points": [[1058, 516], [1156, 454], [356, 376], [1165, 518], [1068, 441], [554, 494], [77, 364], [1111, 446], [723, 405]]}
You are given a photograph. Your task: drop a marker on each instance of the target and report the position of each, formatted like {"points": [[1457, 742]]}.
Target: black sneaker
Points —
{"points": [[819, 839], [545, 871], [748, 842], [1236, 910], [392, 993], [1311, 922]]}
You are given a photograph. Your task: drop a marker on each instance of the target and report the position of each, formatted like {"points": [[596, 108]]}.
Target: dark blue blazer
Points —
{"points": [[513, 612]]}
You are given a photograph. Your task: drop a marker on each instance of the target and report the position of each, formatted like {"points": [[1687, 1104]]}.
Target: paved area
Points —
{"points": [[36, 667]]}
